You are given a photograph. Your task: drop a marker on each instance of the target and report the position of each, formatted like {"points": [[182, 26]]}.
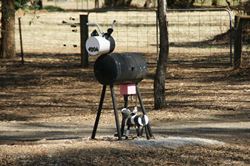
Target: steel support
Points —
{"points": [[147, 127], [99, 112], [115, 112]]}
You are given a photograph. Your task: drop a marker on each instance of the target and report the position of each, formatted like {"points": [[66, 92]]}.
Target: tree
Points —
{"points": [[38, 4], [117, 3], [247, 7], [180, 3], [96, 4], [214, 2], [7, 49], [160, 76], [147, 3]]}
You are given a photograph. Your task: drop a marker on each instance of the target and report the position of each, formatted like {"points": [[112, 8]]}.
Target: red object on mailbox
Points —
{"points": [[128, 89]]}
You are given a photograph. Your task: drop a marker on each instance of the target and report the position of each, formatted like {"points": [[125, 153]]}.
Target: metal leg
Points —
{"points": [[123, 118], [147, 132], [125, 101], [141, 132], [147, 128], [115, 112], [99, 112], [127, 132], [138, 131], [123, 125]]}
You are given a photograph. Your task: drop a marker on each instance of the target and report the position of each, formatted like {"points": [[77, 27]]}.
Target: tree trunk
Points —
{"points": [[108, 3], [247, 7], [160, 76], [128, 2], [8, 29], [117, 3], [40, 4], [96, 4], [147, 3], [214, 2], [191, 4], [171, 3]]}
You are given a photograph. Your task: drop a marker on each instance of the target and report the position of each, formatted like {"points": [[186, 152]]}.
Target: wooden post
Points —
{"points": [[84, 32], [240, 23], [238, 43], [21, 39]]}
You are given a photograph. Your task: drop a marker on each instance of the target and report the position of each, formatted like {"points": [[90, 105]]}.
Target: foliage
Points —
{"points": [[21, 4], [247, 7], [51, 8], [27, 4], [117, 3], [180, 3]]}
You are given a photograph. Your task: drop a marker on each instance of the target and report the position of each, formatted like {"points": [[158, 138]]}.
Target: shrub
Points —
{"points": [[53, 8]]}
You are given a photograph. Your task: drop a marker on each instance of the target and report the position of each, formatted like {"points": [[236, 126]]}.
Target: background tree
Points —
{"points": [[9, 7], [247, 7], [117, 3], [96, 4], [147, 3], [38, 4], [214, 2], [180, 3], [160, 76], [8, 29]]}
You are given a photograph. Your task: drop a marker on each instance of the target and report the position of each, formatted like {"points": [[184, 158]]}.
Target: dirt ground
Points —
{"points": [[48, 106]]}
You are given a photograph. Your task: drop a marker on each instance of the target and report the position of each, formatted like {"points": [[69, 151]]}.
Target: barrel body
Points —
{"points": [[120, 68]]}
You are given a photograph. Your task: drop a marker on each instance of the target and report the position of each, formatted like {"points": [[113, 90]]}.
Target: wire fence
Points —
{"points": [[193, 34], [57, 32], [50, 32], [135, 31], [203, 34]]}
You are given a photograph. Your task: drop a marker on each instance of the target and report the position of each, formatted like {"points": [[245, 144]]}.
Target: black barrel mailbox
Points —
{"points": [[125, 69], [120, 68]]}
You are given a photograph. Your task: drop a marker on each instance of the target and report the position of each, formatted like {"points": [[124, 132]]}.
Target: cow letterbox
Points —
{"points": [[125, 69]]}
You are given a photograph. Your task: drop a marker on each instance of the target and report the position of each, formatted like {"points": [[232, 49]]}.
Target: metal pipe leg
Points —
{"points": [[98, 112], [127, 132], [125, 101], [123, 118], [123, 125], [115, 112], [138, 131], [147, 132], [148, 128]]}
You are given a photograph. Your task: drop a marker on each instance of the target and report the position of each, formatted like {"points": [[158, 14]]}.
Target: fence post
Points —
{"points": [[21, 39], [237, 42], [84, 32]]}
